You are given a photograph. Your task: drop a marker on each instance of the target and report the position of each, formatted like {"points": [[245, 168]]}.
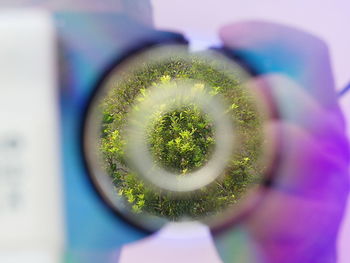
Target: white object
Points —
{"points": [[31, 225], [186, 242]]}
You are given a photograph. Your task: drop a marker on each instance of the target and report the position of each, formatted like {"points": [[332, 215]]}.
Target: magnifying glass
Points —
{"points": [[173, 135]]}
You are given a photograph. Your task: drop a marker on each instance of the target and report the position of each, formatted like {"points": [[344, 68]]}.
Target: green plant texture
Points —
{"points": [[182, 140]]}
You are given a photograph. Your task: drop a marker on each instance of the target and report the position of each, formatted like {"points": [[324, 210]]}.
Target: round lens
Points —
{"points": [[175, 136]]}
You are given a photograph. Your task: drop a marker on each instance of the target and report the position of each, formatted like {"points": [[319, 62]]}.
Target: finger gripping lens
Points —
{"points": [[173, 135]]}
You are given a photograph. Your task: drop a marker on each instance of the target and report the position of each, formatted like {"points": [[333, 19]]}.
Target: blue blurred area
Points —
{"points": [[88, 44]]}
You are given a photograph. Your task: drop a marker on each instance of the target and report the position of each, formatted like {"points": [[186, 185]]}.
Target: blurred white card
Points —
{"points": [[31, 224]]}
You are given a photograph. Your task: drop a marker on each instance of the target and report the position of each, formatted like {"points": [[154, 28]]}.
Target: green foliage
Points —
{"points": [[181, 140]]}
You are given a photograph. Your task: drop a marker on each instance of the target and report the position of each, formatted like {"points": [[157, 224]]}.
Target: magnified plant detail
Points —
{"points": [[181, 140]]}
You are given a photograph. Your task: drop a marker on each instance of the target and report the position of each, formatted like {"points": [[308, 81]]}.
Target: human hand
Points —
{"points": [[299, 219]]}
